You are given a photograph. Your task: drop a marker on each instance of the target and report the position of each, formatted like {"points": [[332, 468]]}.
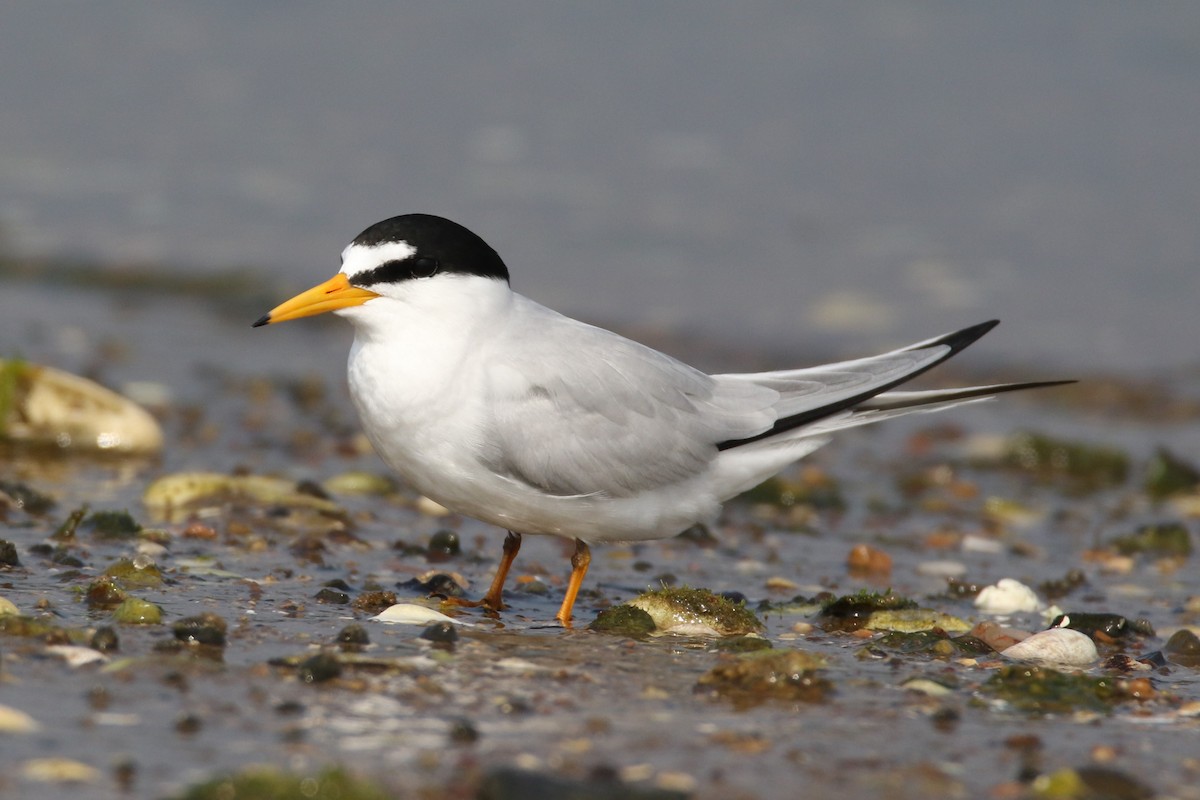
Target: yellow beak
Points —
{"points": [[331, 295]]}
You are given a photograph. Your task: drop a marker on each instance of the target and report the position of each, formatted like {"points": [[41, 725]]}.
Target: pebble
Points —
{"points": [[1055, 647], [942, 569], [1007, 596], [13, 720], [59, 770], [432, 508], [998, 637]]}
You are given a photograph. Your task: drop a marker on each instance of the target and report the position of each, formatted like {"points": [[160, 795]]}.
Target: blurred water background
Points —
{"points": [[793, 177]]}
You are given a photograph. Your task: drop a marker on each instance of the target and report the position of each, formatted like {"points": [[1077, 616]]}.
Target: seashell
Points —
{"points": [[1055, 647], [1007, 596], [44, 406], [413, 614]]}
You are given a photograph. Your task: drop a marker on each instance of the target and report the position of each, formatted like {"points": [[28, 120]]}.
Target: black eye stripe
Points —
{"points": [[395, 271]]}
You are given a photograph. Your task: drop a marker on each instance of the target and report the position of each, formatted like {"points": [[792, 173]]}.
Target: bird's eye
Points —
{"points": [[425, 266]]}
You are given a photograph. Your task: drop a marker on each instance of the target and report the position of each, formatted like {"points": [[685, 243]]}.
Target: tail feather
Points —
{"points": [[858, 392]]}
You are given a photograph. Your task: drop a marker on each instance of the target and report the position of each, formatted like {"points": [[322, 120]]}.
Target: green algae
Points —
{"points": [[1166, 539], [623, 620], [1041, 690], [696, 611], [264, 783], [111, 525], [1168, 475], [769, 675], [135, 611], [1082, 467], [910, 620], [852, 611], [133, 574]]}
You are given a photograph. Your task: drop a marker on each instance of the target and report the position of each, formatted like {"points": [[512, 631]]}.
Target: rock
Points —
{"points": [[13, 720], [623, 620], [1164, 540], [134, 611], [319, 668], [507, 783], [754, 678], [59, 770], [440, 634], [173, 495], [695, 612], [1183, 648], [909, 620], [206, 628]]}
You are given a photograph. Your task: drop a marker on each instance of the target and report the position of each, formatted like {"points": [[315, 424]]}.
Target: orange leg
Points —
{"points": [[491, 600], [579, 567]]}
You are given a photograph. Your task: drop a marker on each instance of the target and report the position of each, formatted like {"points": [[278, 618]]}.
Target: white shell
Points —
{"points": [[1007, 596], [51, 407], [76, 655], [1056, 647], [413, 614]]}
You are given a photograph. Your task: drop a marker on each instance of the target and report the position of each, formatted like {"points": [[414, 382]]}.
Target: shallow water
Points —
{"points": [[569, 703]]}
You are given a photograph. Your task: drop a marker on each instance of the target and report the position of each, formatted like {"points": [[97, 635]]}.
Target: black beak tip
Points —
{"points": [[263, 320]]}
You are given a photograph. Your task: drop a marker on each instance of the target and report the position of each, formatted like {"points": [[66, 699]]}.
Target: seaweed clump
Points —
{"points": [[755, 678]]}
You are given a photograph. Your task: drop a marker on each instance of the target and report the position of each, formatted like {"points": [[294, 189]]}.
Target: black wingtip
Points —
{"points": [[960, 340], [263, 320]]}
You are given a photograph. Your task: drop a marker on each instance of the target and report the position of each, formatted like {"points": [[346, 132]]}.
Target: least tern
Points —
{"points": [[504, 410]]}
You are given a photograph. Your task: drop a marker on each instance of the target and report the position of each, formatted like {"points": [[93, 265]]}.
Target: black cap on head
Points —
{"points": [[439, 247]]}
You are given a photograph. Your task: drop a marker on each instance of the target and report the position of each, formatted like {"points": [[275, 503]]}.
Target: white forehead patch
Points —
{"points": [[359, 258]]}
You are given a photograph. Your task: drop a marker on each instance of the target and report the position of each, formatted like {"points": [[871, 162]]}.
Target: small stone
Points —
{"points": [[440, 633], [137, 573], [373, 602], [134, 611], [1168, 475], [788, 675], [998, 637], [696, 612], [104, 593], [59, 770], [908, 620], [206, 628], [25, 498], [1183, 648], [8, 554], [1113, 626], [353, 636], [623, 620], [105, 639], [436, 584], [13, 720], [443, 546], [1164, 540], [319, 668], [111, 525], [332, 596], [462, 731], [867, 560]]}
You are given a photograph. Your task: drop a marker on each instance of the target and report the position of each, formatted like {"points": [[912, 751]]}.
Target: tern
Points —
{"points": [[501, 409]]}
